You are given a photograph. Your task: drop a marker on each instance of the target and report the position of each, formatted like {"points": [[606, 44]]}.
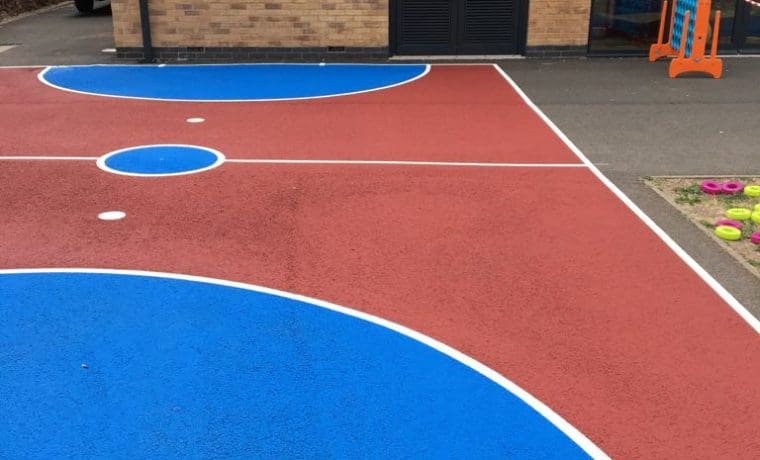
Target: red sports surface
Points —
{"points": [[542, 274]]}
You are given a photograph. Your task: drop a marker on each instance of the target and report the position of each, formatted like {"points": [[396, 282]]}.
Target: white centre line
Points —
{"points": [[410, 163], [330, 162], [44, 158]]}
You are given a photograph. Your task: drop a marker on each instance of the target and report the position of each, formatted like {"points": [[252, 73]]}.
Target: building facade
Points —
{"points": [[360, 29]]}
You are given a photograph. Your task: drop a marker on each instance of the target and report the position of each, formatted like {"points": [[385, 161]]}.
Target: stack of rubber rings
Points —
{"points": [[730, 229]]}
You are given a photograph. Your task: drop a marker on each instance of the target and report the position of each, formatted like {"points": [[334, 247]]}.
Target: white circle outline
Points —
{"points": [[101, 162], [43, 80], [542, 409]]}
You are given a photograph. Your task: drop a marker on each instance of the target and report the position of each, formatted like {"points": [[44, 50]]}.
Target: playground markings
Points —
{"points": [[327, 162], [563, 425], [412, 163], [112, 215], [753, 322]]}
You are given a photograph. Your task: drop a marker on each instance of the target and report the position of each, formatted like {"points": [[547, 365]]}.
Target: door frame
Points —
{"points": [[521, 33]]}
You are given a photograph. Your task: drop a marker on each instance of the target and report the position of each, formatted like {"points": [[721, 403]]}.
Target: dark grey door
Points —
{"points": [[456, 26]]}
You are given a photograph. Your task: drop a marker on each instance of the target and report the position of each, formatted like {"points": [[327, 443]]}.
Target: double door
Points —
{"points": [[456, 26]]}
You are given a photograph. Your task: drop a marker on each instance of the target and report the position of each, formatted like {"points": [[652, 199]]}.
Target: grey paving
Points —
{"points": [[625, 114], [630, 119], [58, 36]]}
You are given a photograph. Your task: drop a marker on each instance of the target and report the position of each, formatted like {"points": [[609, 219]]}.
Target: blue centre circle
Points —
{"points": [[160, 160], [124, 365], [230, 82]]}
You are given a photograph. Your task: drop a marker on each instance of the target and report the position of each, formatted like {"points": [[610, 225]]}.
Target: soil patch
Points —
{"points": [[705, 210], [11, 8]]}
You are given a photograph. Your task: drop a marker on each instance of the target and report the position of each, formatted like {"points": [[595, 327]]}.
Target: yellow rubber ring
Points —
{"points": [[757, 207], [756, 217], [725, 232], [752, 190], [738, 213]]}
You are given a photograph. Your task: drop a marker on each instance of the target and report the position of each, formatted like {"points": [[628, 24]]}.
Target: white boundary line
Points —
{"points": [[44, 158], [411, 163], [559, 422], [43, 80], [101, 162], [753, 322]]}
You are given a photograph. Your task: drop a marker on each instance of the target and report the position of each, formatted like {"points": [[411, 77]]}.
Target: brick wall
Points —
{"points": [[558, 23], [255, 23]]}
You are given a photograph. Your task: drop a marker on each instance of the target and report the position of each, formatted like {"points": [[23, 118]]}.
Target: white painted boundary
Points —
{"points": [[570, 431], [102, 159], [43, 80], [44, 158], [410, 163], [753, 322]]}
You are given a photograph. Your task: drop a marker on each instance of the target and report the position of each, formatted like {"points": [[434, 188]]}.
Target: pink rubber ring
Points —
{"points": [[711, 187], [755, 238], [730, 223], [732, 187]]}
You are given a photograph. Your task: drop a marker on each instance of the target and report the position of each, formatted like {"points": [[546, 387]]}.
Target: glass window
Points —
{"points": [[623, 26]]}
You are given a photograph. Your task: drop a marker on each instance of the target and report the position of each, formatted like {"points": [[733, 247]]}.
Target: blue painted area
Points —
{"points": [[182, 369], [230, 82], [161, 160]]}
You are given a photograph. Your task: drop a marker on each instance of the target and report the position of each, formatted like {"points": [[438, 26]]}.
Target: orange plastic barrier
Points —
{"points": [[687, 45]]}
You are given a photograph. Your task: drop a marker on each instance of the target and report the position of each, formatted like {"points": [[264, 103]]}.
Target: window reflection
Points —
{"points": [[623, 26]]}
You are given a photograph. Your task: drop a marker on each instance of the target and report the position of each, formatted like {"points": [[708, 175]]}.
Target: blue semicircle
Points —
{"points": [[108, 365], [230, 82]]}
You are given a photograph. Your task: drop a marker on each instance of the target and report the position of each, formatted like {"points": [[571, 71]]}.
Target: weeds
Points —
{"points": [[690, 195]]}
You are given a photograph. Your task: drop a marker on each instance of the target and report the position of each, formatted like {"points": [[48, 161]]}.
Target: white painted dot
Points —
{"points": [[108, 50], [196, 120], [112, 215], [322, 64]]}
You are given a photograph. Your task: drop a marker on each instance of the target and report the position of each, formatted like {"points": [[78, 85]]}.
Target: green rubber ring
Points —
{"points": [[752, 190], [738, 213], [725, 232]]}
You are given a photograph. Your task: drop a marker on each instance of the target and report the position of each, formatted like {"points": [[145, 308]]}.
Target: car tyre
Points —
{"points": [[85, 6]]}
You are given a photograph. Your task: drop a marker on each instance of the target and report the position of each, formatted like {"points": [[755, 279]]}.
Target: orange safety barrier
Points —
{"points": [[689, 51]]}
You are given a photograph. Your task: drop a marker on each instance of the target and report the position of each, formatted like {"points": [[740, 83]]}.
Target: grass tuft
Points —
{"points": [[690, 195]]}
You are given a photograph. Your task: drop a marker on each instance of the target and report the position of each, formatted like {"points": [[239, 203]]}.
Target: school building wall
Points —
{"points": [[240, 29]]}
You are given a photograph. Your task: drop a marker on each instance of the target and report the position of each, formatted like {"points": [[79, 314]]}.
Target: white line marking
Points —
{"points": [[753, 322], [101, 162], [4, 48], [411, 163], [41, 78], [44, 158], [108, 50], [562, 424], [112, 215], [195, 120], [326, 162]]}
